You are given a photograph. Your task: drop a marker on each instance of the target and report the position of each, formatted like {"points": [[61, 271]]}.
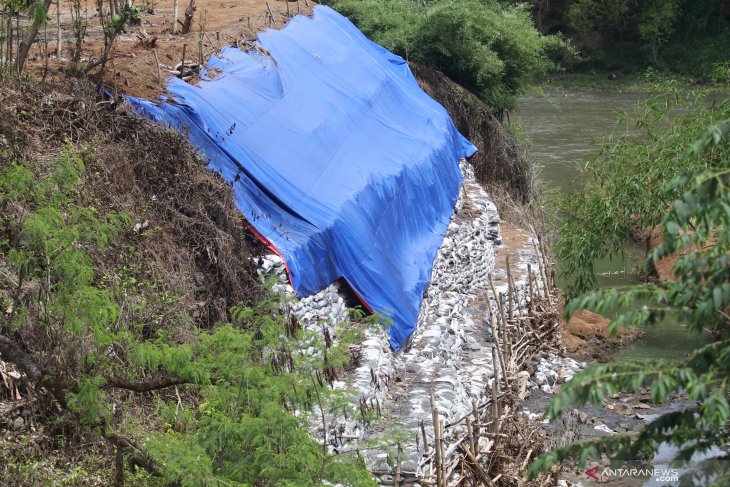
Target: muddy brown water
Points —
{"points": [[562, 128]]}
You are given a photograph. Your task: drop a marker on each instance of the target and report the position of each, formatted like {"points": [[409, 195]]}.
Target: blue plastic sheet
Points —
{"points": [[336, 157]]}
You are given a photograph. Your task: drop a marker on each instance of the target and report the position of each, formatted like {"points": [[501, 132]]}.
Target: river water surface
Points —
{"points": [[561, 127]]}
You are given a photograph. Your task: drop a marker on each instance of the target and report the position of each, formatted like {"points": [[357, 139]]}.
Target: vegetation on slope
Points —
{"points": [[623, 192], [685, 37], [133, 309], [693, 206], [488, 47], [667, 169]]}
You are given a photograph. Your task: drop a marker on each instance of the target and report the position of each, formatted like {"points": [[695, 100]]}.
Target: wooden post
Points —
{"points": [[423, 435], [157, 65], [436, 441], [495, 328], [442, 463], [174, 16], [288, 15], [475, 410], [495, 407], [532, 292], [396, 480], [58, 30], [509, 288], [182, 65]]}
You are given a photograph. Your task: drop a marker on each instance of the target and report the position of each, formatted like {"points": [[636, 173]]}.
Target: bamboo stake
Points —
{"points": [[509, 287], [495, 326], [396, 481], [182, 65], [495, 392], [157, 64], [475, 410], [442, 469], [58, 30], [174, 16], [532, 291], [436, 440], [423, 435]]}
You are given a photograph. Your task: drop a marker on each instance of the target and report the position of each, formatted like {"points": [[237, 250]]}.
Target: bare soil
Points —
{"points": [[132, 68]]}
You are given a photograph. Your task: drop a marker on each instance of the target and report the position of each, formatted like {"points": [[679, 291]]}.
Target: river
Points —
{"points": [[561, 127]]}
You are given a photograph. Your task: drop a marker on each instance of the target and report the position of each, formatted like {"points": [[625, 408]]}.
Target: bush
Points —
{"points": [[623, 192], [491, 49]]}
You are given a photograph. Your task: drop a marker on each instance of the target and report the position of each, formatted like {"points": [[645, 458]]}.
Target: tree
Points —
{"points": [[622, 191], [491, 49], [91, 336], [697, 223]]}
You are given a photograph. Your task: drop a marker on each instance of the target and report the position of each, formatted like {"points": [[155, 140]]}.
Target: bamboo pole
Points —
{"points": [[396, 480], [423, 435], [495, 326], [436, 441], [59, 40], [509, 288]]}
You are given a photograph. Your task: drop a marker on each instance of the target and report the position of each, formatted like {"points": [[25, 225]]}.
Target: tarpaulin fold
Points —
{"points": [[335, 154]]}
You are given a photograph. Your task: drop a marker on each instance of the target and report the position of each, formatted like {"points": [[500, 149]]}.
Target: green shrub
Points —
{"points": [[490, 48], [623, 192]]}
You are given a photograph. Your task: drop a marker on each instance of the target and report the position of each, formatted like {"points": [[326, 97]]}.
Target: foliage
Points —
{"points": [[623, 192], [259, 377], [678, 36], [491, 49], [253, 387], [53, 245], [696, 223], [652, 22]]}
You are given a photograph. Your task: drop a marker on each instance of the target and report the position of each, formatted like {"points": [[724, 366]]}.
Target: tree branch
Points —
{"points": [[151, 385], [13, 353]]}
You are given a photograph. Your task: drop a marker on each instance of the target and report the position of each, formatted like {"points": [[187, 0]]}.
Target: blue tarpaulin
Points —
{"points": [[337, 158]]}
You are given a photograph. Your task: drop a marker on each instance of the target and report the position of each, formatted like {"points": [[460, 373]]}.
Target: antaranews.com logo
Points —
{"points": [[659, 474]]}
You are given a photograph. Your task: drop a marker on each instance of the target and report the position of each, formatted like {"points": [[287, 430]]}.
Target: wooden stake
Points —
{"points": [[174, 16], [495, 395], [58, 30], [423, 435], [532, 291], [436, 441], [475, 410], [509, 288], [396, 480], [271, 14], [157, 64], [182, 64], [287, 9]]}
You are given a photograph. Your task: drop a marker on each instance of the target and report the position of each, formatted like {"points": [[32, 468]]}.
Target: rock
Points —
{"points": [[413, 368], [623, 409], [583, 417]]}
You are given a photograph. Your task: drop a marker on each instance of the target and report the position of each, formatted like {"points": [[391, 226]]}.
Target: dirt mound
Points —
{"points": [[189, 236], [499, 161], [587, 337]]}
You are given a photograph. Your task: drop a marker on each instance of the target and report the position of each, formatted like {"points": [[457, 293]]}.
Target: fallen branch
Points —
{"points": [[152, 385]]}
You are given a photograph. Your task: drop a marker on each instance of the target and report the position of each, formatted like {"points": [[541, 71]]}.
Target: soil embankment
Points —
{"points": [[187, 242]]}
